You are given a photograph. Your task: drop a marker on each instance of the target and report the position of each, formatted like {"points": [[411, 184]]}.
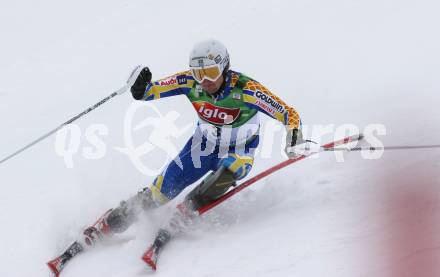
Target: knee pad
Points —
{"points": [[211, 188]]}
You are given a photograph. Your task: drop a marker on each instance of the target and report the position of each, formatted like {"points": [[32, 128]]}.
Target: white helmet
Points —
{"points": [[207, 53]]}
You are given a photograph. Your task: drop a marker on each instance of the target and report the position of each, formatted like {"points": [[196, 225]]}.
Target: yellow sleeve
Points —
{"points": [[264, 100], [180, 83]]}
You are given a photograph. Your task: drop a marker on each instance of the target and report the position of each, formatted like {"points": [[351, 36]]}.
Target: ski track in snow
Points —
{"points": [[337, 62]]}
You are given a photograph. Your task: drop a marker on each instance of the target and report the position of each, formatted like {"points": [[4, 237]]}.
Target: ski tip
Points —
{"points": [[53, 267], [150, 258], [149, 262]]}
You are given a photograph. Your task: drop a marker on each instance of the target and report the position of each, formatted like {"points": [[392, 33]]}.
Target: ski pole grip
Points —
{"points": [[131, 79]]}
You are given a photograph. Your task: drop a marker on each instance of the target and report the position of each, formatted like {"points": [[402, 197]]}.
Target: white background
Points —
{"points": [[336, 62]]}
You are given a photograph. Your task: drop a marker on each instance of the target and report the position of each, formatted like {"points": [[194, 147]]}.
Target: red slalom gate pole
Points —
{"points": [[271, 170]]}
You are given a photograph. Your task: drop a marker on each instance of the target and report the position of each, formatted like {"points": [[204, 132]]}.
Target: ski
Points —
{"points": [[57, 264], [150, 256]]}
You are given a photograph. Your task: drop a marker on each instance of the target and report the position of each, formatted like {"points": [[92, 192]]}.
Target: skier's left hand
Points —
{"points": [[296, 145]]}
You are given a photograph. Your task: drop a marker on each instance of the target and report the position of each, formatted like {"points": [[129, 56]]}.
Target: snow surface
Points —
{"points": [[337, 62]]}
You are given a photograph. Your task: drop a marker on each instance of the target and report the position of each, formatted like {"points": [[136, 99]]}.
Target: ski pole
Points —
{"points": [[384, 148], [120, 91]]}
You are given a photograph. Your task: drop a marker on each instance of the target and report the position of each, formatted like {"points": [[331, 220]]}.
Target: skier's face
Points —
{"points": [[210, 86]]}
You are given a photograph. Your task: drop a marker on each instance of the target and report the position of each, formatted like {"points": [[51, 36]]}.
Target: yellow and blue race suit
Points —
{"points": [[228, 130]]}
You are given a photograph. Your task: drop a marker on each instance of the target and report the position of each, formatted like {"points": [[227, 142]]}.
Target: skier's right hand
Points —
{"points": [[140, 83]]}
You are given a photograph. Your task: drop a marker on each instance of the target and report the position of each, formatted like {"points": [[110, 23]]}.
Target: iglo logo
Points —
{"points": [[215, 114]]}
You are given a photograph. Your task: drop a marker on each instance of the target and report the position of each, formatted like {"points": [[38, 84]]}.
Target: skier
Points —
{"points": [[228, 104]]}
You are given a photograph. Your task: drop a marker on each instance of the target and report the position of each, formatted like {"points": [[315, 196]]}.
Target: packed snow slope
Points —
{"points": [[338, 62]]}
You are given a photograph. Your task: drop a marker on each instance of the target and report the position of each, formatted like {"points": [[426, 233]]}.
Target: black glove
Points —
{"points": [[294, 137], [142, 80]]}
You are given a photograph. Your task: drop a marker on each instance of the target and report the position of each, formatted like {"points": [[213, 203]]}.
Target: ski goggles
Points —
{"points": [[211, 73]]}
